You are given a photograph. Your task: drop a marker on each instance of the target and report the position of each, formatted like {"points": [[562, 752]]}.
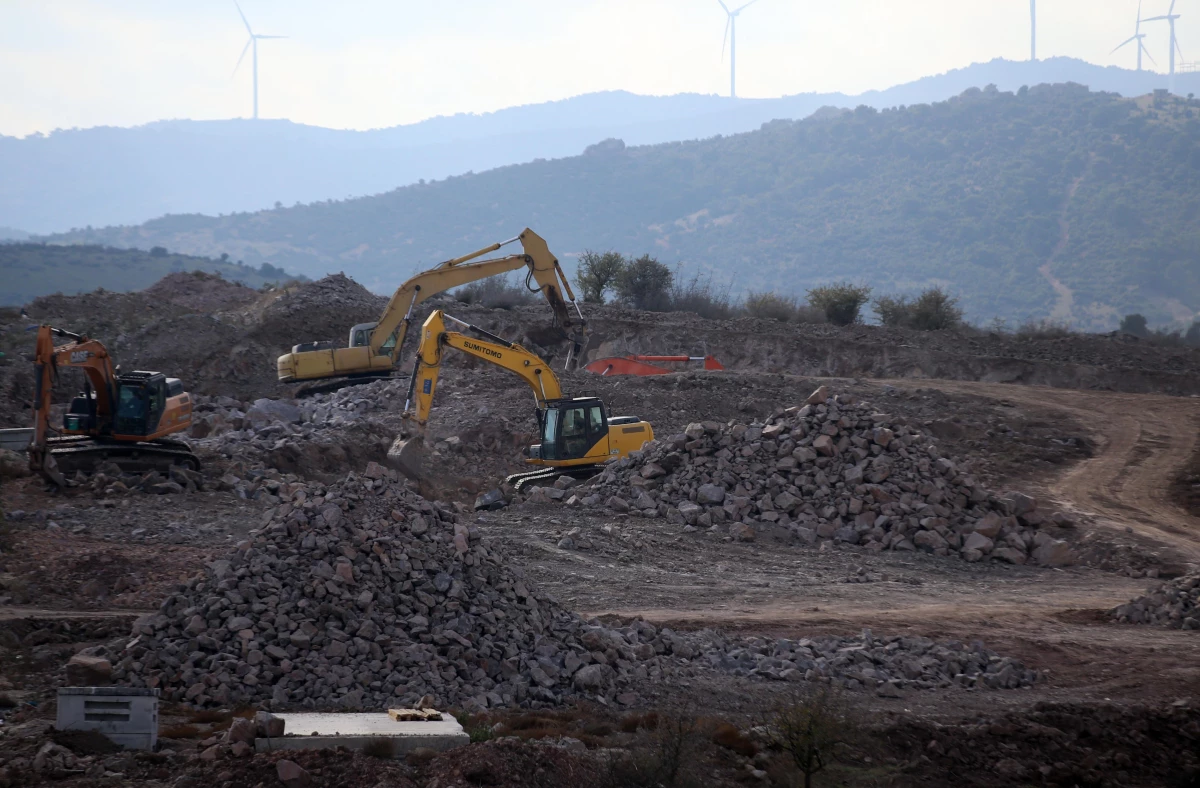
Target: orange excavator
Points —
{"points": [[120, 418]]}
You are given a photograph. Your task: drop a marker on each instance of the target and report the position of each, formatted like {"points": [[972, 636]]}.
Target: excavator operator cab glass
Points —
{"points": [[360, 335], [571, 428], [141, 400]]}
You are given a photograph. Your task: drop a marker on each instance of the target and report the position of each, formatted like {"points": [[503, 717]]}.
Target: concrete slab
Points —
{"points": [[355, 731]]}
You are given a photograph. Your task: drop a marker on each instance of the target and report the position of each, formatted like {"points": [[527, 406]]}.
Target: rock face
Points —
{"points": [[832, 469], [363, 594], [1172, 604]]}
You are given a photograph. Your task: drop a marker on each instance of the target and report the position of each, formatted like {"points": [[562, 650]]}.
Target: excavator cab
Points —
{"points": [[579, 428], [360, 336], [148, 402]]}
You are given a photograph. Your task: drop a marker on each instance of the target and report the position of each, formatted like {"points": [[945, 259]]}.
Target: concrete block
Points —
{"points": [[126, 715], [355, 731]]}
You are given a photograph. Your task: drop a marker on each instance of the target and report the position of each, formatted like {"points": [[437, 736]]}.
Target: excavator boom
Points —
{"points": [[374, 348]]}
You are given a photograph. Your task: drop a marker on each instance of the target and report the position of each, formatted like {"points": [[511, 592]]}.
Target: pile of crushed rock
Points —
{"points": [[1174, 604], [362, 594], [883, 664], [832, 469]]}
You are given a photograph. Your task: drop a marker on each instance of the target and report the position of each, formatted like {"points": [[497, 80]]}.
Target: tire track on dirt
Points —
{"points": [[1143, 440]]}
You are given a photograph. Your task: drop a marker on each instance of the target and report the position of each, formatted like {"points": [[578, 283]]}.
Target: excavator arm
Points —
{"points": [[423, 385], [543, 268], [381, 353], [87, 354]]}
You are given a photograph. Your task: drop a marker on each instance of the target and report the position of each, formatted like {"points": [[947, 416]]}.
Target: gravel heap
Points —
{"points": [[362, 594], [833, 469], [1174, 604], [870, 662]]}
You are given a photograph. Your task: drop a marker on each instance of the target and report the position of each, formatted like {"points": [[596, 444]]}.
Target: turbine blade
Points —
{"points": [[1146, 52], [243, 16], [1123, 43], [744, 7], [1154, 19], [725, 38], [242, 56], [1178, 50], [1137, 29], [722, 2], [1171, 10], [270, 36]]}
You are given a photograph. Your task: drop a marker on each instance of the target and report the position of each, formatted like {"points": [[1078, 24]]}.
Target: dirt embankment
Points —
{"points": [[223, 338]]}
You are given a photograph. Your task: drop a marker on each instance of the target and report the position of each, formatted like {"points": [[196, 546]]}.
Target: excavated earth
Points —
{"points": [[1100, 430]]}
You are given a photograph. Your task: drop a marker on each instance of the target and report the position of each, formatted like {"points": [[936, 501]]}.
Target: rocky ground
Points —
{"points": [[582, 641]]}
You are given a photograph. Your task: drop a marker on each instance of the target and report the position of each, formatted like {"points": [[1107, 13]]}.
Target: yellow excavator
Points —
{"points": [[577, 433], [374, 348]]}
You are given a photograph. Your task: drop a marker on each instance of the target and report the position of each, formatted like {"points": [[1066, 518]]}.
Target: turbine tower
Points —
{"points": [[1033, 29], [251, 44], [1137, 36], [731, 37], [1170, 17]]}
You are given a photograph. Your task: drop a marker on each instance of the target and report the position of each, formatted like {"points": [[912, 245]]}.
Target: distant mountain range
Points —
{"points": [[1050, 202], [101, 176]]}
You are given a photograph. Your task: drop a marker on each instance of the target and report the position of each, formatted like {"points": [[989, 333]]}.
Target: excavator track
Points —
{"points": [[80, 453], [329, 386], [519, 481]]}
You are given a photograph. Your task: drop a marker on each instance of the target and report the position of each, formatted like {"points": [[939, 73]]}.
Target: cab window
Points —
{"points": [[595, 420]]}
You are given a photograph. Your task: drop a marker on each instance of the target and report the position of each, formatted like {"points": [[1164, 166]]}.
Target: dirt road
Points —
{"points": [[1142, 440]]}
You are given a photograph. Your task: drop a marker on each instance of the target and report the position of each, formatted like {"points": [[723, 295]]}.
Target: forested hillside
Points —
{"points": [[103, 176], [1048, 202], [29, 270]]}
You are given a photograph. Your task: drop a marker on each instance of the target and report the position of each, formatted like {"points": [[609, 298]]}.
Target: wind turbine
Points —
{"points": [[731, 37], [251, 44], [1137, 36], [1170, 16], [1033, 29]]}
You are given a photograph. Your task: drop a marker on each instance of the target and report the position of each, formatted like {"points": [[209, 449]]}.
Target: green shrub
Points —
{"points": [[700, 297], [893, 311], [811, 729], [1134, 324], [771, 306], [597, 274], [840, 302], [496, 292], [645, 284], [1043, 329], [935, 310]]}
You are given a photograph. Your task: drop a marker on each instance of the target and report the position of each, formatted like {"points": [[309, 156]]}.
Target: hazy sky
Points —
{"points": [[372, 63]]}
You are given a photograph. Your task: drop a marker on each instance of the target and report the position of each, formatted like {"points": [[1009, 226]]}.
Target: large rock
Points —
{"points": [[710, 494], [1053, 552], [978, 542], [264, 411], [89, 671], [292, 774]]}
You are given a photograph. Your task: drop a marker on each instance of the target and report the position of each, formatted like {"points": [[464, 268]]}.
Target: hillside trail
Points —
{"points": [[1063, 308]]}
